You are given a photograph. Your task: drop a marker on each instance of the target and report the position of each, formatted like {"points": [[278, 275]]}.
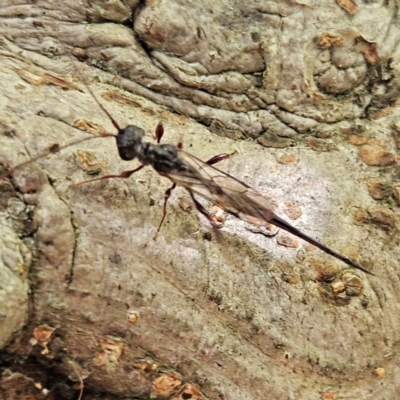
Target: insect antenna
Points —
{"points": [[53, 149], [114, 122]]}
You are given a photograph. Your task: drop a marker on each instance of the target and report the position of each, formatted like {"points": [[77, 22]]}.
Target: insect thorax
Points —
{"points": [[163, 158]]}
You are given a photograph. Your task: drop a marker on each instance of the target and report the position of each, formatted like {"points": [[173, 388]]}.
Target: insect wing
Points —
{"points": [[223, 190]]}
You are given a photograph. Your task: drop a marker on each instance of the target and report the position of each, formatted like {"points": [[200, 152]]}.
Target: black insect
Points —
{"points": [[198, 178]]}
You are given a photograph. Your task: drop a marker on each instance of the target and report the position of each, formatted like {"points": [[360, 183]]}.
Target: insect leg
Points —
{"points": [[125, 174], [214, 219], [211, 218], [219, 157], [159, 132], [166, 197]]}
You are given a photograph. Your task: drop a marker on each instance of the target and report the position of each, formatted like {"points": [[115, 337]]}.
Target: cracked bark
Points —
{"points": [[199, 314]]}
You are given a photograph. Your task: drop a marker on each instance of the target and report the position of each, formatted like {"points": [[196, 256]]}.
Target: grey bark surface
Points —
{"points": [[306, 94]]}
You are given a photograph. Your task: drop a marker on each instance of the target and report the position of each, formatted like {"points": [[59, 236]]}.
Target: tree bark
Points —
{"points": [[92, 306]]}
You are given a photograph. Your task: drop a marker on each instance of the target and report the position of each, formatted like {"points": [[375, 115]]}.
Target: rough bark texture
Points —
{"points": [[88, 299]]}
